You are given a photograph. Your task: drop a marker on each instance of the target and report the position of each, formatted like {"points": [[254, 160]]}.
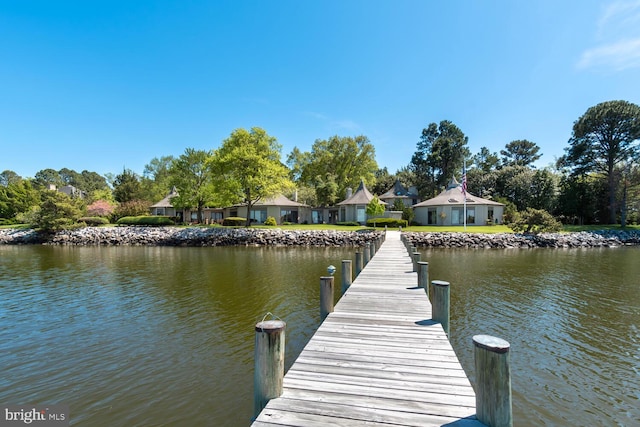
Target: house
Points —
{"points": [[279, 207], [447, 208], [399, 192], [164, 206], [354, 207]]}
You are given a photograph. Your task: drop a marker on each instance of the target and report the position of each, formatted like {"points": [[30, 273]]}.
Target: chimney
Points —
{"points": [[295, 195], [349, 192]]}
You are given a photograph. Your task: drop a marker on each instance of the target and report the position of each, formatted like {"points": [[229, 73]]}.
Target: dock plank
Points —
{"points": [[377, 360]]}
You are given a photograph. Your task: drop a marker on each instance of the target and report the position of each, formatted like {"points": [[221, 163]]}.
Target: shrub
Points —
{"points": [[145, 220], [534, 221], [270, 221], [348, 223], [100, 208], [7, 221], [94, 220], [389, 222], [234, 221], [132, 208]]}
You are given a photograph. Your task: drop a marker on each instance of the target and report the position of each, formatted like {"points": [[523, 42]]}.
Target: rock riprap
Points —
{"points": [[194, 236]]}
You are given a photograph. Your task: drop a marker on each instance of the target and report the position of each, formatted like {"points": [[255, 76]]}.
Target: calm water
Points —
{"points": [[164, 336]]}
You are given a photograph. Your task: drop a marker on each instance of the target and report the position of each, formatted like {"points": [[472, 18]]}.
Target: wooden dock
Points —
{"points": [[378, 359]]}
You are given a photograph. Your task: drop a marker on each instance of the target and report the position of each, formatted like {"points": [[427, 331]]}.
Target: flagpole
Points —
{"points": [[464, 191]]}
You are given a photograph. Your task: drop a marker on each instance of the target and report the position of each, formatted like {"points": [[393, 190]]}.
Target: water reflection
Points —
{"points": [[164, 336], [147, 335], [571, 318]]}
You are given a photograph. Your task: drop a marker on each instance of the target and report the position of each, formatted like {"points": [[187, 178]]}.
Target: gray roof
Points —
{"points": [[452, 196], [278, 200], [398, 191], [362, 196], [166, 202]]}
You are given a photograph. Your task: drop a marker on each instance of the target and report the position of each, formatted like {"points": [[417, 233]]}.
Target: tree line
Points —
{"points": [[596, 181]]}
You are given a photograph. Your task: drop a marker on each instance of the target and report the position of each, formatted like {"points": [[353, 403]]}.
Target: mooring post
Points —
{"points": [[415, 257], [372, 250], [358, 262], [440, 303], [367, 255], [346, 275], [493, 381], [326, 296], [268, 363], [423, 276]]}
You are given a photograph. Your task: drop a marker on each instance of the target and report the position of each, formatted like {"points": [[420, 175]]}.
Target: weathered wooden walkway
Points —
{"points": [[378, 359]]}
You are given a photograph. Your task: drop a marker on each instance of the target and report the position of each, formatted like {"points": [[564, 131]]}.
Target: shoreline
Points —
{"points": [[196, 236]]}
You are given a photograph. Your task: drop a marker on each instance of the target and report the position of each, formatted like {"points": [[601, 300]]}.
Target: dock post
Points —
{"points": [[372, 250], [346, 275], [440, 303], [326, 296], [493, 378], [367, 255], [423, 276], [415, 257], [358, 263], [268, 363]]}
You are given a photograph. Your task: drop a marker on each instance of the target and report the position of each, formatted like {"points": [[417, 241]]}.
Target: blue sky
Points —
{"points": [[104, 85]]}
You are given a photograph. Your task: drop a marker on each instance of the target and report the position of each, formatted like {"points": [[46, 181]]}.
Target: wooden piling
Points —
{"points": [[415, 257], [268, 362], [346, 275], [358, 262], [372, 250], [440, 303], [326, 296], [493, 381], [423, 276], [367, 255]]}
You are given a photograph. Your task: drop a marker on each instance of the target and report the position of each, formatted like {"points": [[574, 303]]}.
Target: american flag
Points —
{"points": [[464, 181]]}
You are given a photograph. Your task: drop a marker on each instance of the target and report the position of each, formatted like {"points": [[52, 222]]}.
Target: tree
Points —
{"points": [[520, 153], [375, 209], [156, 178], [248, 168], [16, 198], [46, 177], [102, 208], [606, 135], [343, 161], [535, 221], [57, 211], [126, 186], [439, 155], [193, 178], [384, 181], [485, 160], [8, 176]]}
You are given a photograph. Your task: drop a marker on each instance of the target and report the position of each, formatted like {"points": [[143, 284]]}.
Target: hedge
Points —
{"points": [[94, 220], [145, 220], [234, 221], [349, 223], [389, 222]]}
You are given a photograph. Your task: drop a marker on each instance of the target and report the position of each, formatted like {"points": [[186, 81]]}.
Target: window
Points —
{"points": [[490, 214], [456, 216], [216, 216], [471, 215], [289, 215], [258, 215], [159, 211], [361, 214], [432, 216], [316, 217]]}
